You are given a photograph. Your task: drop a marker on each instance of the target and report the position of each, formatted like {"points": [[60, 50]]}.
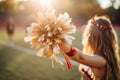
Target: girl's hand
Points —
{"points": [[65, 47]]}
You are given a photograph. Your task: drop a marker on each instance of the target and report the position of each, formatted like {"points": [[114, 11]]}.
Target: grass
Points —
{"points": [[18, 65]]}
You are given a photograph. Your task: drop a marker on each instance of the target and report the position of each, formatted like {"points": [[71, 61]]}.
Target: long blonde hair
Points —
{"points": [[103, 42]]}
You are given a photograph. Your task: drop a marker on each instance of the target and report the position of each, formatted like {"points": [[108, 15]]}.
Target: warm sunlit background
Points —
{"points": [[19, 62], [79, 10]]}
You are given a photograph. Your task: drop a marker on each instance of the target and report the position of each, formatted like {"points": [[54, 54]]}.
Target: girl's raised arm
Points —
{"points": [[95, 61]]}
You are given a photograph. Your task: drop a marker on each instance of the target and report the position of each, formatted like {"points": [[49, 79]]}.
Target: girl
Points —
{"points": [[100, 51]]}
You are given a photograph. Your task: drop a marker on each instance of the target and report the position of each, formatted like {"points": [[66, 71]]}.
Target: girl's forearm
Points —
{"points": [[78, 56]]}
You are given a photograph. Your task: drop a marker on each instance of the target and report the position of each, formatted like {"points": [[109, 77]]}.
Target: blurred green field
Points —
{"points": [[19, 65]]}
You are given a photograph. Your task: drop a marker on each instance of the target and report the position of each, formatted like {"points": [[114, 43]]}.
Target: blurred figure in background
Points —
{"points": [[10, 30]]}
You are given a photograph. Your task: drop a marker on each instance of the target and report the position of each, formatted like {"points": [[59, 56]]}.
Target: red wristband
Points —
{"points": [[72, 52]]}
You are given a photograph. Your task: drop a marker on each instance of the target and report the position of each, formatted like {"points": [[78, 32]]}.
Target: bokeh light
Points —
{"points": [[108, 3], [105, 3], [47, 3]]}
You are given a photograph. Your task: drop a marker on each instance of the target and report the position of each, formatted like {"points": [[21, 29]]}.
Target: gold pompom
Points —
{"points": [[48, 31]]}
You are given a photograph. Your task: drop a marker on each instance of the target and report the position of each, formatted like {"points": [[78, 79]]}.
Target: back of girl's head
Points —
{"points": [[99, 38], [99, 35]]}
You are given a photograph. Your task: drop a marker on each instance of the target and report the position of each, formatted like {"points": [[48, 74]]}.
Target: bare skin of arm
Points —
{"points": [[95, 61]]}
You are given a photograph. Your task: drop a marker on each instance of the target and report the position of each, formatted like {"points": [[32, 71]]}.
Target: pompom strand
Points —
{"points": [[67, 61]]}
